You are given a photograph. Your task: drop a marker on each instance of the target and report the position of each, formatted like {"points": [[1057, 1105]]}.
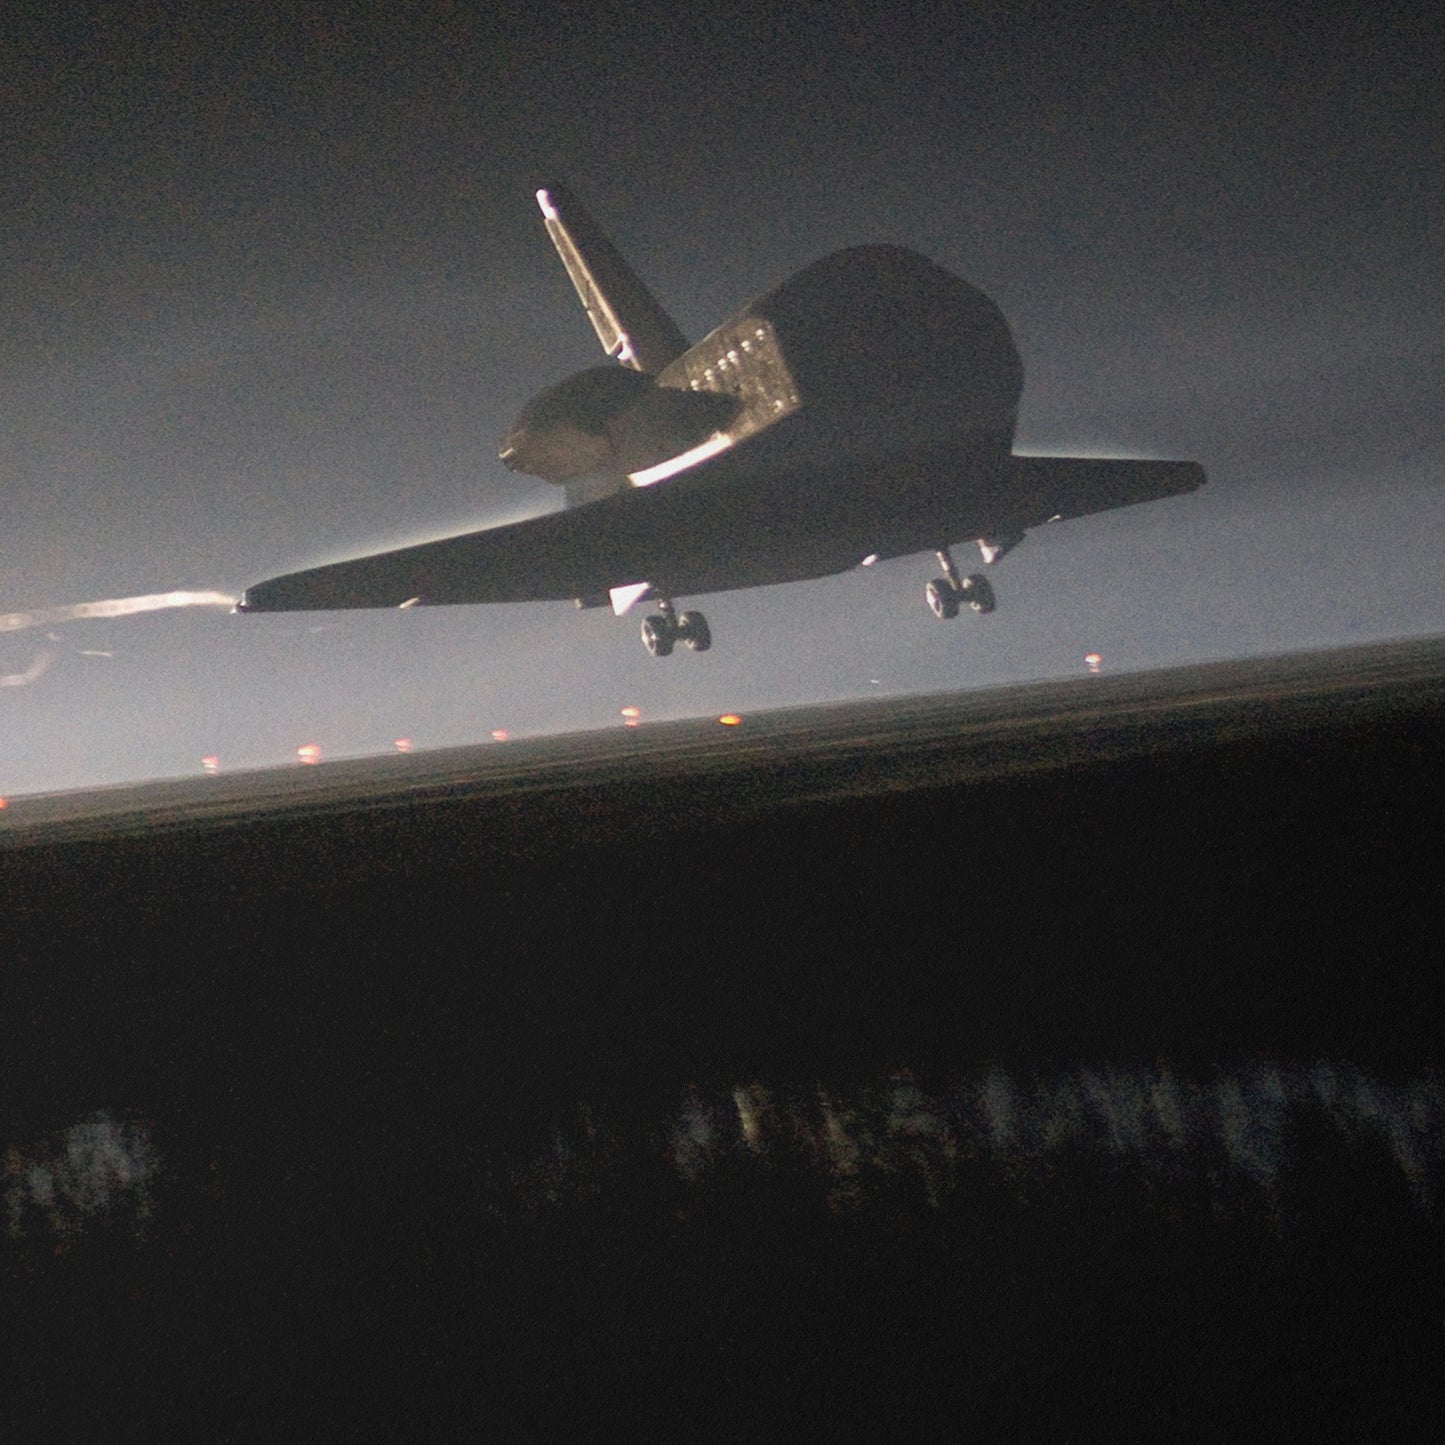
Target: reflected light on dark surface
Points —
{"points": [[1234, 1138], [96, 1178], [1268, 1139]]}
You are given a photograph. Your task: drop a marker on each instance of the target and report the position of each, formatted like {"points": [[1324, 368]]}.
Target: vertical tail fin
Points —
{"points": [[629, 323]]}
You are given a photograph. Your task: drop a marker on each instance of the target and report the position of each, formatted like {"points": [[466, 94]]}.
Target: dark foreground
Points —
{"points": [[1063, 1073]]}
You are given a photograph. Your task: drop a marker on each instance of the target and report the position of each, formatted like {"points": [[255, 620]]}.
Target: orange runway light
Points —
{"points": [[730, 720], [308, 753]]}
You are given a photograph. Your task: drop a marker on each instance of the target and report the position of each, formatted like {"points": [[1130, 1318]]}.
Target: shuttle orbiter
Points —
{"points": [[863, 409]]}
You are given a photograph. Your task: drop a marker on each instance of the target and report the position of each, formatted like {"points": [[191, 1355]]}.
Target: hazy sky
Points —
{"points": [[275, 285]]}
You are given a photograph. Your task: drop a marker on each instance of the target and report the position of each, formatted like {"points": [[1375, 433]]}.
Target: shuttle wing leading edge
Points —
{"points": [[548, 558]]}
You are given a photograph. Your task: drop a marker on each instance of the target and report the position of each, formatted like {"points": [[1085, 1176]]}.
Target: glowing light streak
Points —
{"points": [[717, 442], [631, 716], [211, 764], [36, 669], [1094, 661], [402, 745], [500, 735], [730, 720], [111, 607], [308, 753]]}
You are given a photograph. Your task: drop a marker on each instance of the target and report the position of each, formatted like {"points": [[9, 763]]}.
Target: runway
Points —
{"points": [[705, 770]]}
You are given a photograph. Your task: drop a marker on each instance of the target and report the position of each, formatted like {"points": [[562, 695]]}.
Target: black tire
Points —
{"points": [[657, 635], [692, 629], [978, 593], [941, 598]]}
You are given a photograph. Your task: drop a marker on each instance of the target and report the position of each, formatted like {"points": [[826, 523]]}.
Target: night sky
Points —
{"points": [[275, 285]]}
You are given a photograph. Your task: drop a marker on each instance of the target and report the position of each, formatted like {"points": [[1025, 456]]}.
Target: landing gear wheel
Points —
{"points": [[977, 592], [658, 635], [942, 599], [693, 631]]}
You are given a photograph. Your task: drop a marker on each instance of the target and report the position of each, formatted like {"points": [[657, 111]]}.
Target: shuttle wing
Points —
{"points": [[690, 539], [1048, 489], [549, 558]]}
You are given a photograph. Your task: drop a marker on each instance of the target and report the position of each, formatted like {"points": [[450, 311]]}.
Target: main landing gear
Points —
{"points": [[946, 594], [666, 628]]}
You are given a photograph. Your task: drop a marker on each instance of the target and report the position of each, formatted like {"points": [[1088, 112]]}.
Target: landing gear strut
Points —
{"points": [[946, 594], [662, 631]]}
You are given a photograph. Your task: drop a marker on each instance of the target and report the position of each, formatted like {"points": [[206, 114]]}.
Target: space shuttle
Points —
{"points": [[863, 409]]}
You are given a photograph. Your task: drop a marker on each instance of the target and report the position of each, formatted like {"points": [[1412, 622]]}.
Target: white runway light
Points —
{"points": [[111, 607]]}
